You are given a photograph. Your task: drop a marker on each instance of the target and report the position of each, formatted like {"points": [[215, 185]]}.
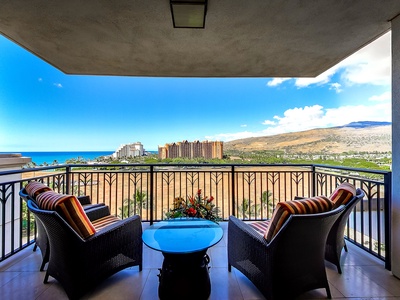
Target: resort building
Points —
{"points": [[194, 149], [129, 150]]}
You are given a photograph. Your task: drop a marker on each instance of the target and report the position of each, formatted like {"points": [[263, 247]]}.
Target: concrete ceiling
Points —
{"points": [[253, 38]]}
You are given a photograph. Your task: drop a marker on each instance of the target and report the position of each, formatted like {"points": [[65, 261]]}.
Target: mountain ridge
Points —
{"points": [[365, 136]]}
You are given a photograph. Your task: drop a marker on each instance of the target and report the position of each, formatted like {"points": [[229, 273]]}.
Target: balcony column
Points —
{"points": [[10, 162], [396, 146]]}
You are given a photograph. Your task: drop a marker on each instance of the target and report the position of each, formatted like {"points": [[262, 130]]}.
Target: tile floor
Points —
{"points": [[364, 277]]}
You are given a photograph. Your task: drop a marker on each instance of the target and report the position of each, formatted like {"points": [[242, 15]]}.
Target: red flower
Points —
{"points": [[191, 212], [199, 192], [211, 199]]}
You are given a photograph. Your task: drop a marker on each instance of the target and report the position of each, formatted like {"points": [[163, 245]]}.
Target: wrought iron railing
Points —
{"points": [[249, 192]]}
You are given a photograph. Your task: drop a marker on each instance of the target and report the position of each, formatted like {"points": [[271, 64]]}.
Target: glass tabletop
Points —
{"points": [[182, 235]]}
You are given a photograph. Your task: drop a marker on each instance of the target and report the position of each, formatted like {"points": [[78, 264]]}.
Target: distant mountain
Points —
{"points": [[364, 124], [357, 136]]}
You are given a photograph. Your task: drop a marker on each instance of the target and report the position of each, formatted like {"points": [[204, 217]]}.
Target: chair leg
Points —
{"points": [[46, 277], [345, 246], [35, 247], [42, 265], [328, 292], [229, 268], [339, 269]]}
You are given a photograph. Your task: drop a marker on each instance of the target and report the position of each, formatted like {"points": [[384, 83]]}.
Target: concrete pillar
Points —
{"points": [[396, 146], [13, 161], [9, 162]]}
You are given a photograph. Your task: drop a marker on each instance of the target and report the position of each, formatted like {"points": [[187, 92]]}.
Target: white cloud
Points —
{"points": [[59, 85], [369, 65], [336, 87], [268, 122], [310, 117], [243, 125], [277, 81], [319, 80], [386, 96]]}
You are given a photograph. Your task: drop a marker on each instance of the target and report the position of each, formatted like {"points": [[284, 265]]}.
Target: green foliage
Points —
{"points": [[133, 206], [27, 222], [364, 160], [264, 207]]}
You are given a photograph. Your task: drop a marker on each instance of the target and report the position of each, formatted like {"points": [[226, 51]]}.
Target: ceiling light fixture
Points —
{"points": [[188, 13]]}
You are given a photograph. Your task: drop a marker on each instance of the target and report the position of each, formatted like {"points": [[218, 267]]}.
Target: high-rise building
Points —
{"points": [[129, 150], [194, 149]]}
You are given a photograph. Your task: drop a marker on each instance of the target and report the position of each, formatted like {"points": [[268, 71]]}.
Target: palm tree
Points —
{"points": [[133, 206], [246, 210], [267, 203]]}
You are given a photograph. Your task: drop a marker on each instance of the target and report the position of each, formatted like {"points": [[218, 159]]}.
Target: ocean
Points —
{"points": [[40, 158]]}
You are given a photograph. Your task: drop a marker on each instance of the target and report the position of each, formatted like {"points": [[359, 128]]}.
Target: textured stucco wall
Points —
{"points": [[396, 146]]}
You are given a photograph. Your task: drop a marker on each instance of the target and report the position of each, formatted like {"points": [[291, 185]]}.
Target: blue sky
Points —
{"points": [[43, 109]]}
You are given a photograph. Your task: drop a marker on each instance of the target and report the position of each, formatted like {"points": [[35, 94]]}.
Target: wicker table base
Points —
{"points": [[185, 276]]}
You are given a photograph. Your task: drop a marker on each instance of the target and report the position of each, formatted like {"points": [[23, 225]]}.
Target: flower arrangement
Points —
{"points": [[197, 206]]}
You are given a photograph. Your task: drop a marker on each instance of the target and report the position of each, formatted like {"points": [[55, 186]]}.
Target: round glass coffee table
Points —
{"points": [[184, 243]]}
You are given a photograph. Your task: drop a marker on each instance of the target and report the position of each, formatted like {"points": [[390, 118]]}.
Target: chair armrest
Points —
{"points": [[240, 228], [125, 237], [97, 212], [133, 222], [248, 251], [84, 200]]}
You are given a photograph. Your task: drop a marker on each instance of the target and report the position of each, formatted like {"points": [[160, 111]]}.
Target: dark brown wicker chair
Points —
{"points": [[291, 263], [336, 242], [80, 264], [93, 211]]}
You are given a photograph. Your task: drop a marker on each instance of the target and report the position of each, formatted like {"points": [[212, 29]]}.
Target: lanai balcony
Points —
{"points": [[247, 191], [258, 39], [364, 277]]}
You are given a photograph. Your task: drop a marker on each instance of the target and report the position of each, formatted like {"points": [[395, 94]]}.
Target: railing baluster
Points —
{"points": [[238, 190]]}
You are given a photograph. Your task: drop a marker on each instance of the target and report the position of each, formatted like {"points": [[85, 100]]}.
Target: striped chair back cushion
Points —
{"points": [[343, 194], [70, 209], [283, 210], [34, 188]]}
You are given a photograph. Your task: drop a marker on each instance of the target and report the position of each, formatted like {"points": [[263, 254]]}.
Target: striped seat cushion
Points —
{"points": [[70, 209], [283, 211], [342, 194], [101, 223], [260, 226], [34, 188]]}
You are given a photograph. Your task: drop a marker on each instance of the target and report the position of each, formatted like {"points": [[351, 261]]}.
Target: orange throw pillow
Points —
{"points": [[34, 188], [342, 194], [70, 209], [283, 211]]}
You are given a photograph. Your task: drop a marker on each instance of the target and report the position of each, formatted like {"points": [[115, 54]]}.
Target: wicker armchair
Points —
{"points": [[93, 211], [80, 264], [335, 242], [291, 263]]}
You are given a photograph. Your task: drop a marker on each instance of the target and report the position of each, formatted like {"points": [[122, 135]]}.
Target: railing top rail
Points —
{"points": [[382, 172], [163, 165]]}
